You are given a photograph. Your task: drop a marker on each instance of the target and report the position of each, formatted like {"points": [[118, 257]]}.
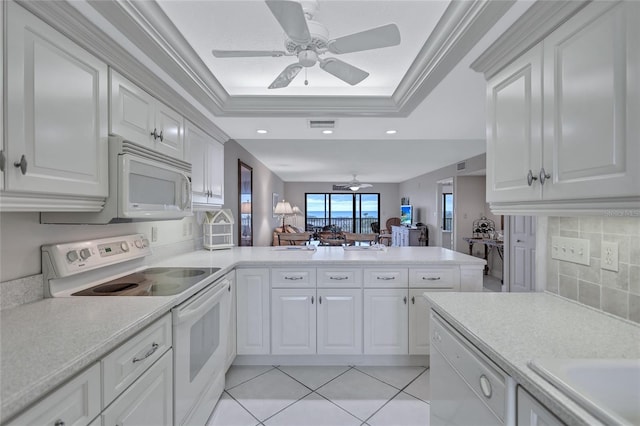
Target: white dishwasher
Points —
{"points": [[466, 387]]}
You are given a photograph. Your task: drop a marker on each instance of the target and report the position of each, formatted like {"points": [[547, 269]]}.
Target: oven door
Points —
{"points": [[152, 190], [199, 348]]}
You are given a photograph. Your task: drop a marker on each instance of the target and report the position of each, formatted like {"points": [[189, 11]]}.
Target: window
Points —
{"points": [[447, 211], [344, 212]]}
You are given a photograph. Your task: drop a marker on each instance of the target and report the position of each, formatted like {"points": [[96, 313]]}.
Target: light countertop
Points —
{"points": [[514, 328], [45, 343]]}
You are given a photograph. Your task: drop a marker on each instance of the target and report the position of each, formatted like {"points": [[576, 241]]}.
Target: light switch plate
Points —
{"points": [[574, 250], [609, 256]]}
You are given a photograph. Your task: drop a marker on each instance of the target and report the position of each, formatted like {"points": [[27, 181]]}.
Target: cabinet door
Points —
{"points": [[293, 321], [339, 321], [253, 334], [132, 111], [198, 149], [418, 323], [149, 401], [529, 412], [216, 172], [231, 341], [385, 321], [592, 104], [170, 128], [57, 93], [514, 130]]}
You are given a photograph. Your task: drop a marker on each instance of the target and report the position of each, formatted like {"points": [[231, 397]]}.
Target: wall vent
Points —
{"points": [[322, 124], [461, 166]]}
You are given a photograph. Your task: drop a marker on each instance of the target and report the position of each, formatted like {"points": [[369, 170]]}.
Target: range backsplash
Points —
{"points": [[617, 293]]}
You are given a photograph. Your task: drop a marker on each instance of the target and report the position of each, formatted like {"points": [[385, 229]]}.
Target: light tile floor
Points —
{"points": [[323, 396]]}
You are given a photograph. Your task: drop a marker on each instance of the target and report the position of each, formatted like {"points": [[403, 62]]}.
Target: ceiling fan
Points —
{"points": [[307, 39], [353, 185]]}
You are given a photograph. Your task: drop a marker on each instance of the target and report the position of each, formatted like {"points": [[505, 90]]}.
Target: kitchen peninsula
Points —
{"points": [[366, 286]]}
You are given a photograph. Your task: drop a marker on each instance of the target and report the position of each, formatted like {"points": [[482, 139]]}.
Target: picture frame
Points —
{"points": [[275, 197]]}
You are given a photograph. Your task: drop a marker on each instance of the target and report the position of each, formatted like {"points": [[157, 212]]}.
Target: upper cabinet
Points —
{"points": [[141, 118], [55, 153], [207, 161], [563, 132]]}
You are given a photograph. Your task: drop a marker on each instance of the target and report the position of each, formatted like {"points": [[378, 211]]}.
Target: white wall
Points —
{"points": [[294, 192], [424, 195], [265, 182]]}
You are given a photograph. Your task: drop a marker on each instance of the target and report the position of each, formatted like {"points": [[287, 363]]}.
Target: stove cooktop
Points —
{"points": [[151, 282]]}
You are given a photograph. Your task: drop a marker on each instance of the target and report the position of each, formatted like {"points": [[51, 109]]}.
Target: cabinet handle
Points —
{"points": [[3, 161], [293, 278], [431, 278], [59, 423], [531, 178], [385, 278], [320, 300], [543, 176], [160, 136], [485, 386], [413, 300], [229, 288], [154, 347], [405, 300], [312, 299], [154, 134], [339, 278], [22, 164]]}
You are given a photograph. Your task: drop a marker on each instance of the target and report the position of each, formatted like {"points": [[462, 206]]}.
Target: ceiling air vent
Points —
{"points": [[322, 124], [461, 166]]}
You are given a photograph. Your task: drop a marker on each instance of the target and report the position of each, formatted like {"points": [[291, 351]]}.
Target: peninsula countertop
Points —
{"points": [[514, 328], [45, 343]]}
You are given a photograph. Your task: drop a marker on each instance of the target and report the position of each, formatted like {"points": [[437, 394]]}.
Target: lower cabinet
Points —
{"points": [[339, 316], [385, 321], [418, 323], [293, 327], [253, 332], [232, 336], [149, 401], [531, 413]]}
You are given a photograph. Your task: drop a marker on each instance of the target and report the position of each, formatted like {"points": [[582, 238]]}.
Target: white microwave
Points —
{"points": [[144, 185]]}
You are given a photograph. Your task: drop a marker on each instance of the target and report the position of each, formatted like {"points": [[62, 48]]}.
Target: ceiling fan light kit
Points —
{"points": [[354, 185], [307, 39]]}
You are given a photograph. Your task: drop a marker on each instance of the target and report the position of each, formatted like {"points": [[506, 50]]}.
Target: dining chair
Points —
{"points": [[352, 238], [294, 238]]}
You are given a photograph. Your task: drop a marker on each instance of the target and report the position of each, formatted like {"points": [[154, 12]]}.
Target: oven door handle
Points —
{"points": [[201, 304]]}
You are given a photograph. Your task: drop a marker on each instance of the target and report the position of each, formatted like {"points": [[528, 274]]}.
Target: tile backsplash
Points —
{"points": [[617, 293]]}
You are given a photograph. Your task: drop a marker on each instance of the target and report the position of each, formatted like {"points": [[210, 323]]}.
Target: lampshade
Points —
{"points": [[245, 207], [297, 211], [283, 207]]}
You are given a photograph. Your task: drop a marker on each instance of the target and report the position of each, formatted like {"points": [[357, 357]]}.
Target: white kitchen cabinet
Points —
{"points": [[386, 321], [253, 316], [231, 310], [418, 323], [3, 157], [293, 321], [207, 160], [149, 401], [339, 317], [57, 129], [139, 117], [529, 412], [562, 121], [73, 404]]}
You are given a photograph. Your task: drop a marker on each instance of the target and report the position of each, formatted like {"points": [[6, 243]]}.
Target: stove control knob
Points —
{"points": [[72, 256], [139, 243], [124, 246], [85, 253]]}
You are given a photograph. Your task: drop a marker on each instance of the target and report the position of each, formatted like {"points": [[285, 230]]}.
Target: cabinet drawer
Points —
{"points": [[340, 278], [125, 364], [293, 277], [75, 404], [434, 278], [386, 277], [481, 374]]}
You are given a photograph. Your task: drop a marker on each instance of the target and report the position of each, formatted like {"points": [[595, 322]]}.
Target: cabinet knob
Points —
{"points": [[59, 423], [160, 136], [320, 300], [22, 164], [3, 161], [413, 300], [543, 176], [154, 134], [531, 178], [312, 299], [405, 300], [485, 386]]}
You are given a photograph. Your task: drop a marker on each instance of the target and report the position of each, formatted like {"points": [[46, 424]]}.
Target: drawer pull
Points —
{"points": [[485, 386], [59, 423], [339, 278], [154, 347], [293, 278], [385, 278], [431, 278]]}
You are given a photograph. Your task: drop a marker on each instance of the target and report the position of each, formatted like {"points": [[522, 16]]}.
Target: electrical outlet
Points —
{"points": [[154, 234], [574, 250], [609, 256]]}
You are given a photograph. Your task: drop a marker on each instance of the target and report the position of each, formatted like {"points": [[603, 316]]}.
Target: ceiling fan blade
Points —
{"points": [[246, 53], [344, 71], [375, 38], [286, 76], [365, 185], [291, 18]]}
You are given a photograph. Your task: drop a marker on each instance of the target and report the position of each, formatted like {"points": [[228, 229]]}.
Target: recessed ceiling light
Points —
{"points": [[392, 132], [261, 131], [327, 132]]}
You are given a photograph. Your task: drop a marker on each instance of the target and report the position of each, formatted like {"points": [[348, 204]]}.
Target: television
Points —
{"points": [[406, 214]]}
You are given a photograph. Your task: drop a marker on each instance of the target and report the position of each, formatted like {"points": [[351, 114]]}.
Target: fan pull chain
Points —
{"points": [[306, 82]]}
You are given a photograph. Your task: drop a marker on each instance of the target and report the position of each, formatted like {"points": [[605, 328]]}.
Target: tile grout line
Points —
{"points": [[349, 367], [240, 404], [383, 405], [380, 380], [248, 380], [343, 409]]}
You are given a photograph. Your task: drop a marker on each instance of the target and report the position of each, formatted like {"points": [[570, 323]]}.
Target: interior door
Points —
{"points": [[522, 253]]}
